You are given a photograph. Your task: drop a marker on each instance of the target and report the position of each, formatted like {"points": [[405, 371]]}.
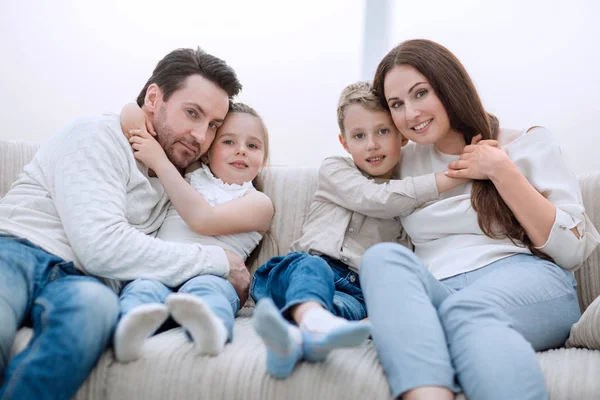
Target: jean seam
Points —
{"points": [[236, 301], [34, 346], [515, 306], [252, 286]]}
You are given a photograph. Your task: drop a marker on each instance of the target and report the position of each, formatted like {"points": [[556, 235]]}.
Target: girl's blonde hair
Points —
{"points": [[246, 109], [258, 182]]}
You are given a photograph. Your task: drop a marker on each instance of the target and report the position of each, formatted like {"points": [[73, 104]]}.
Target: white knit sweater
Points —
{"points": [[86, 199]]}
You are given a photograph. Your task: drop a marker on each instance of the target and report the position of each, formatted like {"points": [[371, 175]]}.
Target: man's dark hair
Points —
{"points": [[172, 71]]}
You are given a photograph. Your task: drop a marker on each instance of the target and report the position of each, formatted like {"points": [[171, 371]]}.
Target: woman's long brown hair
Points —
{"points": [[456, 91]]}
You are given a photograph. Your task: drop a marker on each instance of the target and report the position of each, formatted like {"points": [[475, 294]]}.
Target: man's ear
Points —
{"points": [[404, 140], [153, 94], [343, 142]]}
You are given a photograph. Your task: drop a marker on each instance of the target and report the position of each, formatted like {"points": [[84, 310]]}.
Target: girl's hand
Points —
{"points": [[147, 149], [133, 118], [479, 160]]}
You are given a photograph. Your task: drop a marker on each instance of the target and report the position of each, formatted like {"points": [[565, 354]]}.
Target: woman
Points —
{"points": [[490, 282]]}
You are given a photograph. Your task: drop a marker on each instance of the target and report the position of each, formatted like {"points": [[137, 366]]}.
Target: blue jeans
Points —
{"points": [[477, 331], [217, 292], [299, 277], [73, 318]]}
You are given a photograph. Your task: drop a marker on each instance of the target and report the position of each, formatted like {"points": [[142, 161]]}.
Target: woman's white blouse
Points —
{"points": [[445, 232]]}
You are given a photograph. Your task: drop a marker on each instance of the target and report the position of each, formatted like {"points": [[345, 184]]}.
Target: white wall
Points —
{"points": [[66, 58], [533, 63]]}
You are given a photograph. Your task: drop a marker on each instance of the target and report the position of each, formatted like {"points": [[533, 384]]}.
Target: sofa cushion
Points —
{"points": [[169, 369], [586, 332]]}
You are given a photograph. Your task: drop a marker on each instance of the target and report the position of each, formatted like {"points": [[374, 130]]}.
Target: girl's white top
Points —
{"points": [[215, 191], [445, 232]]}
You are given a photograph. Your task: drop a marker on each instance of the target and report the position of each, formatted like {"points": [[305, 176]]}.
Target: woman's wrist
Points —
{"points": [[505, 171]]}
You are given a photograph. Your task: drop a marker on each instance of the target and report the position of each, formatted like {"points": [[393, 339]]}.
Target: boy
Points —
{"points": [[353, 208]]}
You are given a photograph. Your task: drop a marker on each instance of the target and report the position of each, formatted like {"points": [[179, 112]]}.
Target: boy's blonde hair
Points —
{"points": [[357, 93]]}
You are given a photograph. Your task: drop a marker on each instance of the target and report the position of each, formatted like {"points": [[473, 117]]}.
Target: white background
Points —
{"points": [[533, 61]]}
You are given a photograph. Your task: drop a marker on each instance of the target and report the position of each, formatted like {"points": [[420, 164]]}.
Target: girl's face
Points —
{"points": [[237, 153], [416, 110]]}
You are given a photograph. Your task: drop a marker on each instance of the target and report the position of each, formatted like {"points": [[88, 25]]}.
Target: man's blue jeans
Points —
{"points": [[73, 318], [217, 292], [300, 277], [479, 329]]}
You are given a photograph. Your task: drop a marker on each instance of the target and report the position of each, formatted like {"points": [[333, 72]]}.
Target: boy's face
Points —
{"points": [[372, 140]]}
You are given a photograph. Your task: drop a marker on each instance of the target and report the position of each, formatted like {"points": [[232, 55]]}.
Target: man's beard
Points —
{"points": [[166, 137]]}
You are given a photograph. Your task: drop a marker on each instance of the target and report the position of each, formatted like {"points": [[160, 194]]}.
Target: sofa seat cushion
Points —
{"points": [[586, 332], [169, 369]]}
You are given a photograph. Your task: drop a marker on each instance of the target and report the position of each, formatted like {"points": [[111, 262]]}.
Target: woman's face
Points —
{"points": [[416, 110]]}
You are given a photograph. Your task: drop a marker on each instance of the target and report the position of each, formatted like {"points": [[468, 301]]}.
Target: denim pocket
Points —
{"points": [[63, 269]]}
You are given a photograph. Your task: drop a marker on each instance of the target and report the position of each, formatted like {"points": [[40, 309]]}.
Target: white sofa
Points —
{"points": [[168, 368]]}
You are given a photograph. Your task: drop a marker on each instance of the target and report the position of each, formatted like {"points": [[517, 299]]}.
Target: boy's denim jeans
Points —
{"points": [[479, 329], [300, 277], [217, 292], [73, 318]]}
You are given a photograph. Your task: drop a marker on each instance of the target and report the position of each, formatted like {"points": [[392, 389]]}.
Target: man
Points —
{"points": [[84, 210]]}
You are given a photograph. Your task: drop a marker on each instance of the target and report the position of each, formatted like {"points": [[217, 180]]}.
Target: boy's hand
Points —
{"points": [[147, 149], [479, 160], [488, 142]]}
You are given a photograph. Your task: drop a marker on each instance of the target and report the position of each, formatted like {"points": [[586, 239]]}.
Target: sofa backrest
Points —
{"points": [[13, 157], [291, 190]]}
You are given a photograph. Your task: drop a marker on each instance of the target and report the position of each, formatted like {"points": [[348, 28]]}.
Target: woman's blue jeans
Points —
{"points": [[300, 277], [217, 292], [476, 331], [73, 318]]}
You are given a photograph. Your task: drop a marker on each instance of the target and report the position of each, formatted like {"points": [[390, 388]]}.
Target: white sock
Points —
{"points": [[206, 329], [134, 327], [320, 320]]}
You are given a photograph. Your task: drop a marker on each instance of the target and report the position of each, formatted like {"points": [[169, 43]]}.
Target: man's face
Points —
{"points": [[186, 124]]}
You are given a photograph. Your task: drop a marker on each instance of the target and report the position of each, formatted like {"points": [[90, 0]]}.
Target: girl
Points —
{"points": [[491, 280], [216, 204]]}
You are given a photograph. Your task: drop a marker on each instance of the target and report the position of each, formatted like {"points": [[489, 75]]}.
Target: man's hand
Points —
{"points": [[239, 276]]}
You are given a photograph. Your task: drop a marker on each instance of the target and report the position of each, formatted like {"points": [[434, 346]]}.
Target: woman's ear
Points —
{"points": [[204, 159]]}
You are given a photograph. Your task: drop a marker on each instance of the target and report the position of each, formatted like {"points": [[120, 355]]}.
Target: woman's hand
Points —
{"points": [[147, 149], [479, 160]]}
